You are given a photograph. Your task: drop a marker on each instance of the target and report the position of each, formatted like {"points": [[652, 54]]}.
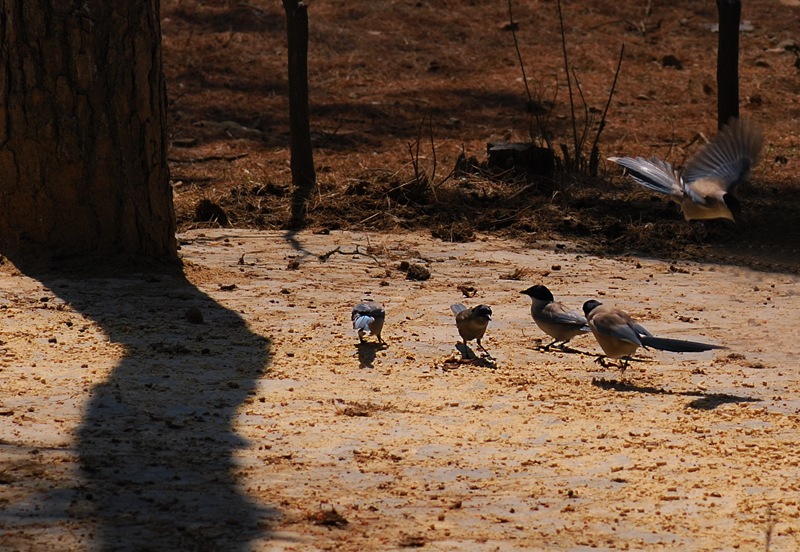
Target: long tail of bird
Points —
{"points": [[677, 345], [457, 308], [654, 174]]}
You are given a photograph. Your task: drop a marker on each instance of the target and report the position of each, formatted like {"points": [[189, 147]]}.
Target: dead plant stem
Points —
{"points": [[594, 154]]}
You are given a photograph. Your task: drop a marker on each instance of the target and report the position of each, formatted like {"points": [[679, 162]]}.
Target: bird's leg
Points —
{"points": [[566, 347], [488, 354], [467, 351], [546, 348], [624, 366], [601, 360]]}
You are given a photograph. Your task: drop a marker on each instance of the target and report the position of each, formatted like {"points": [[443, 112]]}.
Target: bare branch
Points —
{"points": [[594, 155]]}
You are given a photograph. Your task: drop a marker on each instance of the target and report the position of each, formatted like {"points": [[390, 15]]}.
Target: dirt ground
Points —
{"points": [[228, 406], [235, 410], [386, 76]]}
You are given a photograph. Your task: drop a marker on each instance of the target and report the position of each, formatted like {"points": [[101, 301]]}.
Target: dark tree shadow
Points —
{"points": [[705, 401], [156, 444]]}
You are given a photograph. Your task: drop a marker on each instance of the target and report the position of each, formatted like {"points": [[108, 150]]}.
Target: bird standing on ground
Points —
{"points": [[704, 188], [368, 318], [472, 323], [619, 335], [553, 317]]}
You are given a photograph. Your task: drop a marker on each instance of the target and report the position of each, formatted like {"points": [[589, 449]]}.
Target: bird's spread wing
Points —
{"points": [[727, 158], [654, 174], [557, 313]]}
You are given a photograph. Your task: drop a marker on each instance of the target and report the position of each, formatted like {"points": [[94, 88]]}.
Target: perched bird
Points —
{"points": [[368, 318], [704, 188], [553, 317], [619, 335], [472, 323]]}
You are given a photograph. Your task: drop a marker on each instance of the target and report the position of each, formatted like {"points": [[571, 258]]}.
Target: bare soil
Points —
{"points": [[227, 405], [235, 409], [443, 78]]}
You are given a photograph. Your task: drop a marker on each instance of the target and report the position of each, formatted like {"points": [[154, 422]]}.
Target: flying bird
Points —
{"points": [[368, 318], [554, 318], [619, 335], [472, 323], [704, 189]]}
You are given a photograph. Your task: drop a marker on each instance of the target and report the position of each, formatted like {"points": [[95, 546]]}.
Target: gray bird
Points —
{"points": [[553, 317], [619, 335], [704, 188], [368, 318], [472, 323]]}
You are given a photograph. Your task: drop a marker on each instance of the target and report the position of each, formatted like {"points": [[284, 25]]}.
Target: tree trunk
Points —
{"points": [[730, 12], [302, 154], [83, 165]]}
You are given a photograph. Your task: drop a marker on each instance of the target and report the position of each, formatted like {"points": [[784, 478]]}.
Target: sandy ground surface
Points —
{"points": [[128, 425]]}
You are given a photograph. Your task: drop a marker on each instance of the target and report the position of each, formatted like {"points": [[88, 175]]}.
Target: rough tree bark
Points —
{"points": [[302, 157], [83, 166], [730, 12]]}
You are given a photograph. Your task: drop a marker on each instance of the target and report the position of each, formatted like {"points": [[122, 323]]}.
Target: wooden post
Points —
{"points": [[302, 154], [730, 12]]}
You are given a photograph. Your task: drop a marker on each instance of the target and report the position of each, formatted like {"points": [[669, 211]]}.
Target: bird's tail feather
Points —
{"points": [[457, 308], [362, 323], [654, 174], [677, 345]]}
